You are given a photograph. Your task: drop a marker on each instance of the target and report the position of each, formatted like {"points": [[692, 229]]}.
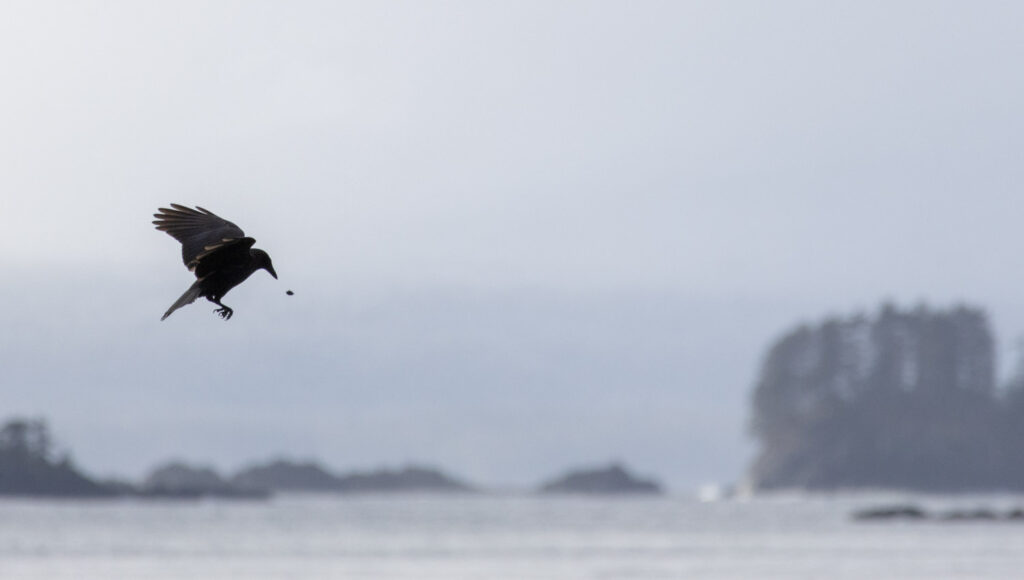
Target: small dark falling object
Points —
{"points": [[215, 250], [290, 293]]}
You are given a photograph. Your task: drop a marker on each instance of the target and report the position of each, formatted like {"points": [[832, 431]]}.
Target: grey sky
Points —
{"points": [[521, 235]]}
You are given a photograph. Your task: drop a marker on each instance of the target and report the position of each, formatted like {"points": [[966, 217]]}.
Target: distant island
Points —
{"points": [[177, 479], [610, 480], [904, 399], [180, 480], [284, 475], [28, 465]]}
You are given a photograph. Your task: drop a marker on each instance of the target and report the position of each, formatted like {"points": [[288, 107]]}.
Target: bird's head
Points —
{"points": [[262, 260]]}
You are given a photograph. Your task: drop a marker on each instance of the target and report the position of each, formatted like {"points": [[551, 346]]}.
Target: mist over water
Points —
{"points": [[496, 537]]}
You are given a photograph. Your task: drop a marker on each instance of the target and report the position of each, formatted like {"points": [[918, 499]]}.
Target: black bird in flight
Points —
{"points": [[215, 250]]}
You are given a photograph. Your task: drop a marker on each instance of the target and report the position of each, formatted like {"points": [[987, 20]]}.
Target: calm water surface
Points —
{"points": [[490, 537]]}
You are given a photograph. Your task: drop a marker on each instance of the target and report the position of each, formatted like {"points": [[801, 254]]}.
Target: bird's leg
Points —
{"points": [[224, 311]]}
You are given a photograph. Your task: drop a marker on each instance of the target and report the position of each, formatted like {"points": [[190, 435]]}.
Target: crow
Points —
{"points": [[215, 250]]}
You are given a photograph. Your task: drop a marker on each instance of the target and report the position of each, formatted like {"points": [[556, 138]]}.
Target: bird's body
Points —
{"points": [[215, 250]]}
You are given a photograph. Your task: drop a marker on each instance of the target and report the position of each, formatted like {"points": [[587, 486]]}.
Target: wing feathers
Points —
{"points": [[199, 230]]}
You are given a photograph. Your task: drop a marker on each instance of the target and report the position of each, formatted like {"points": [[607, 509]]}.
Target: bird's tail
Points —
{"points": [[188, 297]]}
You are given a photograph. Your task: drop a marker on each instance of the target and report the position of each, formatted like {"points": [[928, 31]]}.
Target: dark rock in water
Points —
{"points": [[1015, 514], [613, 479], [909, 512], [899, 512], [969, 515], [178, 480]]}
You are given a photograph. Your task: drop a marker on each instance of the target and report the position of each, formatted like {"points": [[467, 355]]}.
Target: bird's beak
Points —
{"points": [[272, 272]]}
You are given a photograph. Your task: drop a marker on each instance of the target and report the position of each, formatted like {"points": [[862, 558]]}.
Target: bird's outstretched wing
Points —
{"points": [[208, 241]]}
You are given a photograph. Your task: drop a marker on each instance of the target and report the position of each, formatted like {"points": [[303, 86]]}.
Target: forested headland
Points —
{"points": [[902, 399]]}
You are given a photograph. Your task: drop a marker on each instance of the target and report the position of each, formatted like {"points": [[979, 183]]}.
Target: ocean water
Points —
{"points": [[497, 537]]}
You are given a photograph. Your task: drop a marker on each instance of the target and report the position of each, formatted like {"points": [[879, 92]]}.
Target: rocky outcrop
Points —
{"points": [[407, 479], [613, 479]]}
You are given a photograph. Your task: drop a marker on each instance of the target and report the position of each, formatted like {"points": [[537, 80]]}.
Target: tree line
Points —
{"points": [[904, 399]]}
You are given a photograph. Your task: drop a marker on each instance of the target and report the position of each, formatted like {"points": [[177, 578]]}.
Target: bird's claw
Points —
{"points": [[225, 312]]}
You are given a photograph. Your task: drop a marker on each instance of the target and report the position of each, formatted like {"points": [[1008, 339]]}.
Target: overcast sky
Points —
{"points": [[522, 236]]}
